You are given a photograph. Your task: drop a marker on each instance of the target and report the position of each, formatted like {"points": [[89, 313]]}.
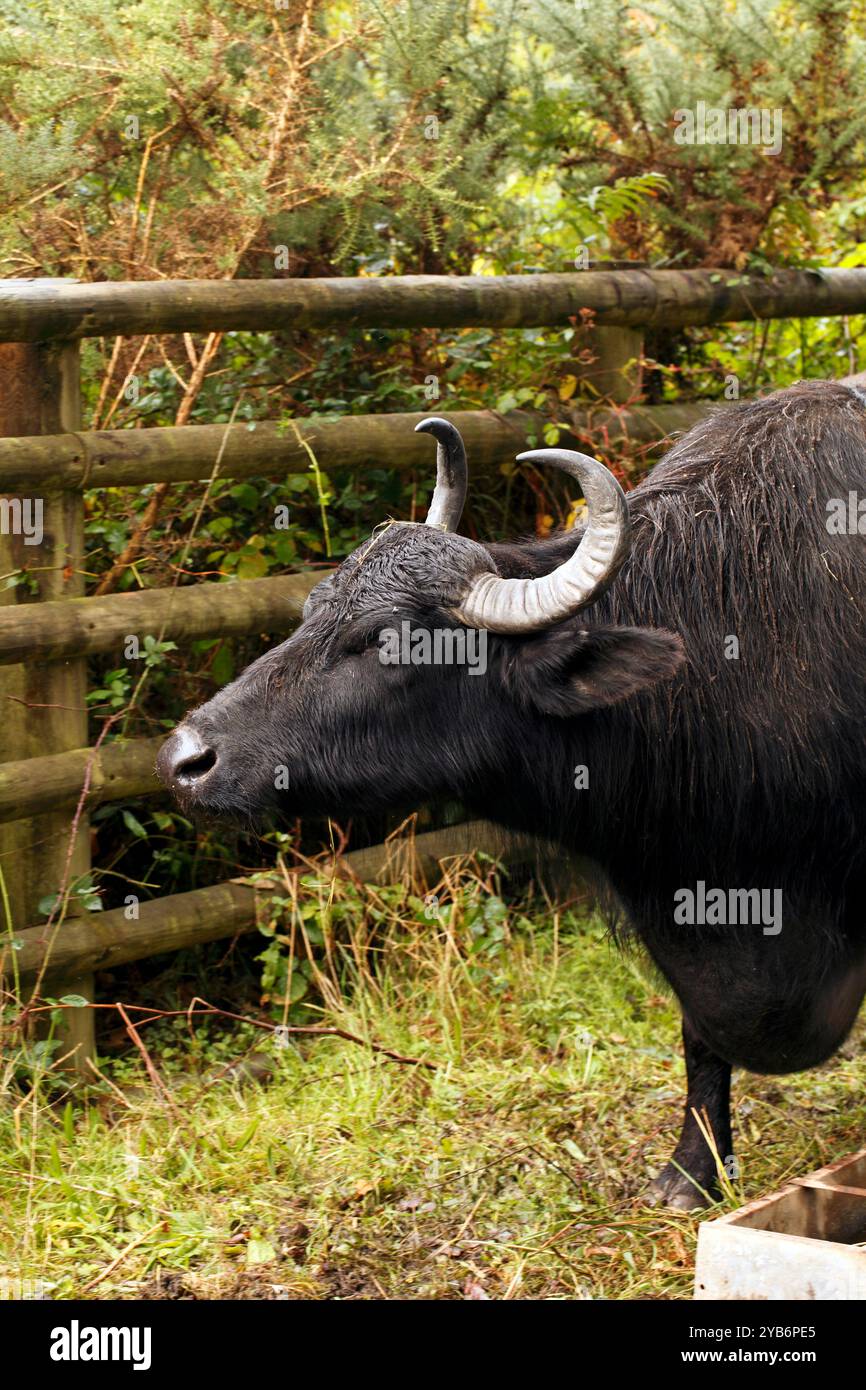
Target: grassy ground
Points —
{"points": [[238, 1168]]}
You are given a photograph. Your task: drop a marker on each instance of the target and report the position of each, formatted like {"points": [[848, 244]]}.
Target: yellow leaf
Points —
{"points": [[567, 387]]}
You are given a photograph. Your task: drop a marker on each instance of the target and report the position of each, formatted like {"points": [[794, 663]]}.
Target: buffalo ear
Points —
{"points": [[569, 670]]}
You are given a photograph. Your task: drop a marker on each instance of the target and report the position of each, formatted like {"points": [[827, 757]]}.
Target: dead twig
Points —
{"points": [[118, 1259], [154, 1015], [152, 1072], [135, 544]]}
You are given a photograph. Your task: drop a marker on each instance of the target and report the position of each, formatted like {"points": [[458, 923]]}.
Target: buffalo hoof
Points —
{"points": [[671, 1188]]}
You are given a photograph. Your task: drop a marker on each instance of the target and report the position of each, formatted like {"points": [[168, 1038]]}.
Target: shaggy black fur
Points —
{"points": [[743, 773]]}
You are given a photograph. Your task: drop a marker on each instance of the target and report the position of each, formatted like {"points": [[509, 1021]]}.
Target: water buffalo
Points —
{"points": [[697, 651]]}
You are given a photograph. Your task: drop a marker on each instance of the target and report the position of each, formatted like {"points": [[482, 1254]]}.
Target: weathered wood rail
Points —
{"points": [[130, 458], [45, 454], [107, 939], [33, 786], [70, 627], [33, 311]]}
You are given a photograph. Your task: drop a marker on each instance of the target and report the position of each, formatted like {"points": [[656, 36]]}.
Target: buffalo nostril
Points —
{"points": [[190, 769], [185, 758]]}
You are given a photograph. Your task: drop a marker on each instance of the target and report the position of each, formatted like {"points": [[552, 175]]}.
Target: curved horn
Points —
{"points": [[527, 605], [446, 508]]}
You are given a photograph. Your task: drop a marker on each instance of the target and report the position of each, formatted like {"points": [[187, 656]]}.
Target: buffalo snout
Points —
{"points": [[186, 759]]}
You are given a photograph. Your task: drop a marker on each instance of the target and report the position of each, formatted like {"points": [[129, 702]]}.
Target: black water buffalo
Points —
{"points": [[713, 698]]}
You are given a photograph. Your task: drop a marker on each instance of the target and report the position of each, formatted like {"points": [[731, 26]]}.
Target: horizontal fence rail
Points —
{"points": [[130, 458], [85, 626], [33, 310], [117, 770], [102, 940]]}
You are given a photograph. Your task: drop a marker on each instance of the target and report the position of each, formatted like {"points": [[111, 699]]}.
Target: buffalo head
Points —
{"points": [[424, 665]]}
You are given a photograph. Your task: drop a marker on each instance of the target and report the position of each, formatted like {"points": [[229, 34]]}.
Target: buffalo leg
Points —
{"points": [[709, 1093]]}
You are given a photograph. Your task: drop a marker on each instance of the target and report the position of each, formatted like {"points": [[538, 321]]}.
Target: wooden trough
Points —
{"points": [[807, 1241]]}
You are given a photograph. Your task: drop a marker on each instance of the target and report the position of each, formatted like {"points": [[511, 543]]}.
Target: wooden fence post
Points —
{"points": [[42, 705], [615, 374]]}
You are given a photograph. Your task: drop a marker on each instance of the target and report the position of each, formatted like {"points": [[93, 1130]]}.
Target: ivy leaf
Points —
{"points": [[134, 824], [223, 665]]}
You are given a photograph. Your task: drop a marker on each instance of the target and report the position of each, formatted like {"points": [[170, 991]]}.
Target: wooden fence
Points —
{"points": [[46, 638]]}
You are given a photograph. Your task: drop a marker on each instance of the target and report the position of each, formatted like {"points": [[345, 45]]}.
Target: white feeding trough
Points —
{"points": [[807, 1241]]}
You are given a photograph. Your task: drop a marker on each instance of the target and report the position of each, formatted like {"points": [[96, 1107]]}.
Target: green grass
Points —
{"points": [[513, 1169]]}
